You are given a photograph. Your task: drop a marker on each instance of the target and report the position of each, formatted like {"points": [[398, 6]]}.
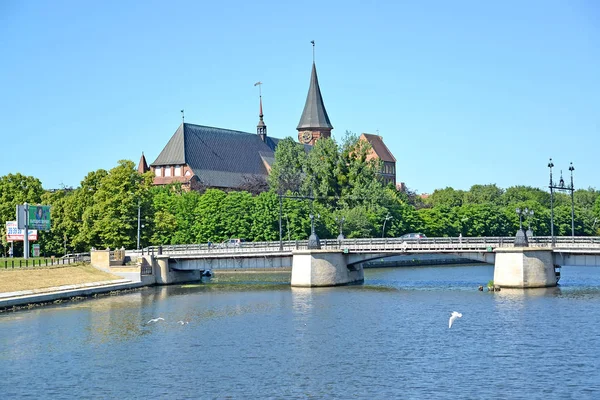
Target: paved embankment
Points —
{"points": [[50, 294]]}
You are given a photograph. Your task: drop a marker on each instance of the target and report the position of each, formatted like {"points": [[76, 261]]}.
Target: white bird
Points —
{"points": [[453, 317], [182, 322], [155, 320]]}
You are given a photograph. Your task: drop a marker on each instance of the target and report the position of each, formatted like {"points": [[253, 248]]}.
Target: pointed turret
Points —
{"points": [[143, 165], [314, 122], [261, 128]]}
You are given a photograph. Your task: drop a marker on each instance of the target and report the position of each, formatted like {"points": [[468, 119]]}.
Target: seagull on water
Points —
{"points": [[155, 320], [454, 315], [183, 322]]}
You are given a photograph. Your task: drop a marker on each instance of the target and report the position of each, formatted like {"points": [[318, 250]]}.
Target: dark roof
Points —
{"points": [[219, 157], [314, 114], [379, 147]]}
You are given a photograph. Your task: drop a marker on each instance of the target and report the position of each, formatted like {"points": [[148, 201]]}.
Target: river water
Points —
{"points": [[253, 336]]}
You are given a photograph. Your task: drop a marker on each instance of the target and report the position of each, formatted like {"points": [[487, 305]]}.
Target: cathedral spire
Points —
{"points": [[261, 128], [314, 118]]}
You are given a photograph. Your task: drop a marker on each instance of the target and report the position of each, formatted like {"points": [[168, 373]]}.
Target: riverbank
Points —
{"points": [[14, 280], [24, 288]]}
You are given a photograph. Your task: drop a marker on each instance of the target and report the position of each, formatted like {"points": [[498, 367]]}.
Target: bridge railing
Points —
{"points": [[377, 244]]}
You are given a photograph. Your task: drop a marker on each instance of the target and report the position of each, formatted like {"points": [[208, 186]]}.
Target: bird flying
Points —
{"points": [[454, 315], [155, 320]]}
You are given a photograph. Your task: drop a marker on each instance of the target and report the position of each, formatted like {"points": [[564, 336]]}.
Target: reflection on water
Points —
{"points": [[253, 336]]}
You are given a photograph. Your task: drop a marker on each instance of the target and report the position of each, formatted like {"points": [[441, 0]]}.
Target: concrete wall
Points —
{"points": [[103, 259], [524, 267], [316, 268], [249, 262]]}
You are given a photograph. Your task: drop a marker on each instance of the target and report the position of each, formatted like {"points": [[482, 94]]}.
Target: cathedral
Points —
{"points": [[200, 156]]}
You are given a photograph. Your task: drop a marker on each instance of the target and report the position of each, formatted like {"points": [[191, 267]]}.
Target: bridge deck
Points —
{"points": [[563, 245]]}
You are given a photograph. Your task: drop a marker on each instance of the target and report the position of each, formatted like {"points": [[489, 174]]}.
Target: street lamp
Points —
{"points": [[521, 238], [387, 218], [529, 232], [572, 168], [341, 222], [561, 186], [313, 239], [139, 224]]}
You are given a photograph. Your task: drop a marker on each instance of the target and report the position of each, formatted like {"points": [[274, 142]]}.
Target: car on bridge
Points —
{"points": [[417, 235], [234, 242]]}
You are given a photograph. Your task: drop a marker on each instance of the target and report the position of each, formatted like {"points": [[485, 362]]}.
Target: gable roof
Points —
{"points": [[219, 157], [379, 147], [143, 165], [314, 114]]}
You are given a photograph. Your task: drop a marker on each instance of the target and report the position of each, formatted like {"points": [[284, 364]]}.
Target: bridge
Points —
{"points": [[340, 261]]}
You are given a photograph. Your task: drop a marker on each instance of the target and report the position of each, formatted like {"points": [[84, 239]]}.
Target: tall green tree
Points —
{"points": [[112, 219], [288, 172], [484, 194], [447, 197]]}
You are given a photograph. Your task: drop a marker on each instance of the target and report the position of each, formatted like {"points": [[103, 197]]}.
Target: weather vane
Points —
{"points": [[259, 84], [182, 117], [313, 43]]}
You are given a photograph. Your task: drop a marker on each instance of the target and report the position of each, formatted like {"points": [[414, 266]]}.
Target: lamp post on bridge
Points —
{"points": [[562, 187], [529, 232], [341, 222], [387, 218], [313, 239], [521, 237]]}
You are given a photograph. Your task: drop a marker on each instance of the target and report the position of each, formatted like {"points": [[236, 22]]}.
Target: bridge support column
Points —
{"points": [[524, 267], [316, 268]]}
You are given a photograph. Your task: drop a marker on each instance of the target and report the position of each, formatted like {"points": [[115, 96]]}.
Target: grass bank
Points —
{"points": [[13, 280]]}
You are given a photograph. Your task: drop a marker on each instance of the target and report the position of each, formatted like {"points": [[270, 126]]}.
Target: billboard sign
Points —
{"points": [[14, 234], [39, 217]]}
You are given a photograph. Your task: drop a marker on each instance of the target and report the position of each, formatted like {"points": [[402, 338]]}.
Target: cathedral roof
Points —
{"points": [[219, 157], [314, 114], [379, 147]]}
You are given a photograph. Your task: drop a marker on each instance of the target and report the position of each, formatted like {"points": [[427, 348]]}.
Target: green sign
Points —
{"points": [[35, 252], [39, 218]]}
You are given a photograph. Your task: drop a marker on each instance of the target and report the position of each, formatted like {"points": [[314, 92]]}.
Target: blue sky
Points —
{"points": [[463, 92]]}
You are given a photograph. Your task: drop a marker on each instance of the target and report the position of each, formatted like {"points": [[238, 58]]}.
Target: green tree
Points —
{"points": [[209, 214], [112, 219], [265, 217], [520, 194], [288, 170], [447, 197], [484, 194], [321, 168]]}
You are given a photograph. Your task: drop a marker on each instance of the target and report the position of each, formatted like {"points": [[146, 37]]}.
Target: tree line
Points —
{"points": [[335, 182]]}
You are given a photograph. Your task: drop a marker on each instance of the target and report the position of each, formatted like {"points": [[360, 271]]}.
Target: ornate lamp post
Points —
{"points": [[521, 238], [572, 189], [529, 232], [313, 239], [387, 218], [561, 186], [341, 222]]}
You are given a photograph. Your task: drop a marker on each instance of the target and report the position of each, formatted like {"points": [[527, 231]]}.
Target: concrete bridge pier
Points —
{"points": [[318, 268], [524, 267]]}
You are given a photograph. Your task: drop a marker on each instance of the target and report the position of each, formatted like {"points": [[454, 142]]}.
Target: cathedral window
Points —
{"points": [[158, 171], [177, 170], [167, 171]]}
